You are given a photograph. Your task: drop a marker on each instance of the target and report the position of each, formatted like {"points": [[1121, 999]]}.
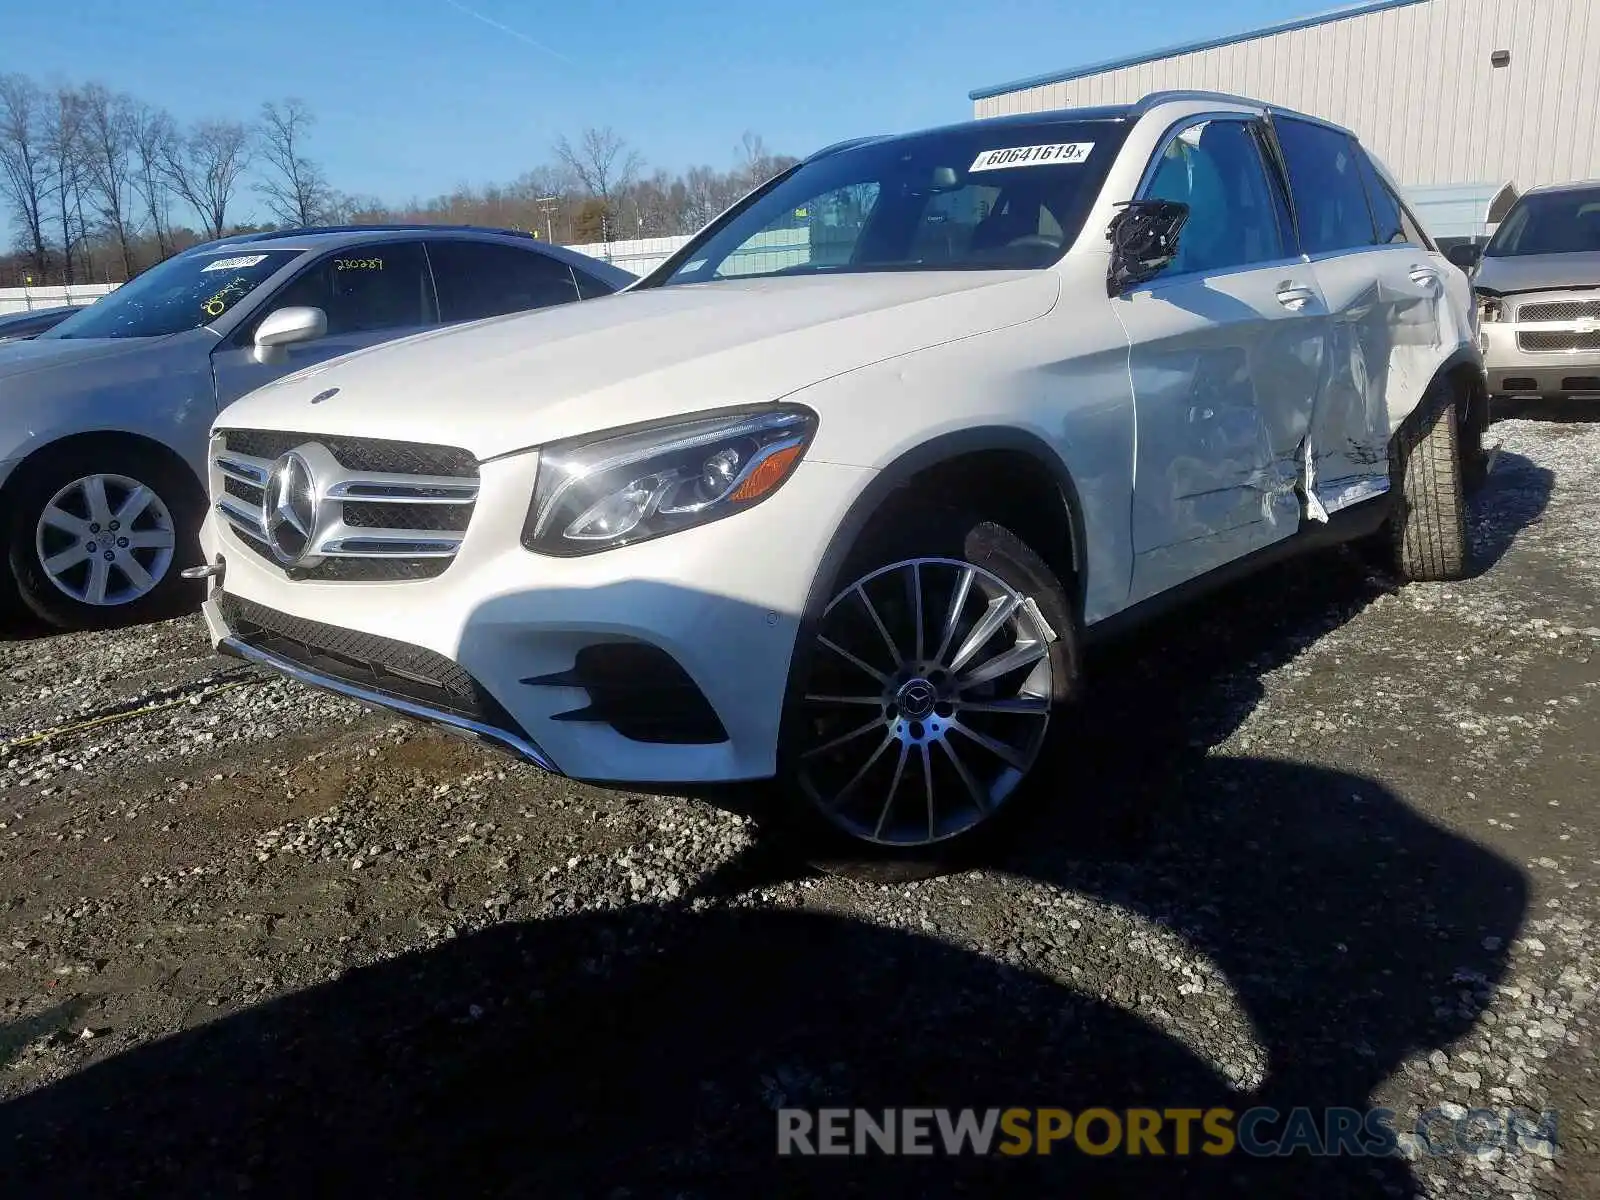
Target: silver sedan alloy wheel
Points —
{"points": [[105, 540], [928, 701]]}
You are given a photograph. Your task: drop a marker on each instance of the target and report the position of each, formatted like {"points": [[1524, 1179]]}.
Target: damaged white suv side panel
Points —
{"points": [[838, 493]]}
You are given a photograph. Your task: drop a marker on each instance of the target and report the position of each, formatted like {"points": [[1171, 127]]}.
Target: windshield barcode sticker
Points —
{"points": [[1032, 156], [233, 264]]}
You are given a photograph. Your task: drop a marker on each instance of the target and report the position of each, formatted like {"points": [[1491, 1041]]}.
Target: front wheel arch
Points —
{"points": [[40, 456], [893, 482]]}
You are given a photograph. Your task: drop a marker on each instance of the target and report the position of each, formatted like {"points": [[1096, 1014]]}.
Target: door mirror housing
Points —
{"points": [[1144, 242], [1466, 256], [286, 327]]}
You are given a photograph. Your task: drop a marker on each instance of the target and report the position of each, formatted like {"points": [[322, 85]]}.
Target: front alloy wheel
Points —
{"points": [[105, 540], [928, 701]]}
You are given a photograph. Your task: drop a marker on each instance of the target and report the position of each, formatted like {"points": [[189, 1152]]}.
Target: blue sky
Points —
{"points": [[416, 96]]}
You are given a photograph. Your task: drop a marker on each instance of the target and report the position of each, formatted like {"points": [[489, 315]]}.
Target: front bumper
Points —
{"points": [[722, 602], [1512, 371], [496, 735]]}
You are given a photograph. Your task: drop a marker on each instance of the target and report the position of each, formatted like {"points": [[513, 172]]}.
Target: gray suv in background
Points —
{"points": [[104, 419], [1538, 290]]}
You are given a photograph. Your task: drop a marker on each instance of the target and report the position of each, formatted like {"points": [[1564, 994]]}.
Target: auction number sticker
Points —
{"points": [[233, 264], [1032, 156]]}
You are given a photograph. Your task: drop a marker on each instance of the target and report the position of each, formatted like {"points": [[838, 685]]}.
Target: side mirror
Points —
{"points": [[1144, 242], [1467, 255], [287, 327]]}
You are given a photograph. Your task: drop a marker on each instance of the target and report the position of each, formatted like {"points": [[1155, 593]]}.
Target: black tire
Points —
{"points": [[1474, 455], [954, 538], [41, 478], [1429, 529]]}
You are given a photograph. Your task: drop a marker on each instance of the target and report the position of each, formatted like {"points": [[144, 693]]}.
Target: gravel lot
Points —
{"points": [[1341, 851]]}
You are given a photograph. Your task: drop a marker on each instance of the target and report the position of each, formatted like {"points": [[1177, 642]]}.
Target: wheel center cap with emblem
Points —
{"points": [[289, 508], [917, 698]]}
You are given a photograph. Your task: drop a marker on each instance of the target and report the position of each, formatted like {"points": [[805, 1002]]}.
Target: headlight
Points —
{"points": [[615, 489], [1490, 308]]}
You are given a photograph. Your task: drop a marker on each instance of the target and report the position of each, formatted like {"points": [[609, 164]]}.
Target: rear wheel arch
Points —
{"points": [[1462, 373]]}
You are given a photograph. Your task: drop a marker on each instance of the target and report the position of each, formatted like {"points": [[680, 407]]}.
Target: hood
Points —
{"points": [[1538, 272], [509, 383], [25, 357]]}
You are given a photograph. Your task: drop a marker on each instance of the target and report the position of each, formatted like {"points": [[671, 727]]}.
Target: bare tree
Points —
{"points": [[24, 178], [62, 146], [154, 145], [757, 164], [108, 143], [297, 193], [604, 165], [204, 169]]}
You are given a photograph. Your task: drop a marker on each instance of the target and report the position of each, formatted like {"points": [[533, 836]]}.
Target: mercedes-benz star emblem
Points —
{"points": [[917, 699], [289, 508]]}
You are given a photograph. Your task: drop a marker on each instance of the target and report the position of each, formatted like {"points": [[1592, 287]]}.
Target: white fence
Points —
{"points": [[15, 300], [640, 256]]}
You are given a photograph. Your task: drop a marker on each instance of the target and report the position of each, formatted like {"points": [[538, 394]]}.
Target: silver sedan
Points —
{"points": [[104, 418]]}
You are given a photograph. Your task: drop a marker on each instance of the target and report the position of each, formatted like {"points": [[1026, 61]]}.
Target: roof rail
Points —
{"points": [[262, 235], [847, 144], [408, 226], [1146, 103]]}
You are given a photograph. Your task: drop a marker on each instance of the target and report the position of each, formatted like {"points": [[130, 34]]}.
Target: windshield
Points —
{"points": [[1565, 222], [995, 197], [182, 293]]}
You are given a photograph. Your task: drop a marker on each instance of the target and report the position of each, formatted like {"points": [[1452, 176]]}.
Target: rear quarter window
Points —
{"points": [[1329, 193]]}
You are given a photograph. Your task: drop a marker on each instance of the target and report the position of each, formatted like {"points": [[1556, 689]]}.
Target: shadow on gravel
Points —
{"points": [[17, 624], [1515, 497], [641, 1052], [644, 1049]]}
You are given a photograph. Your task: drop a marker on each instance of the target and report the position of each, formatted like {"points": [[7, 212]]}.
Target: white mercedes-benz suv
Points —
{"points": [[837, 495]]}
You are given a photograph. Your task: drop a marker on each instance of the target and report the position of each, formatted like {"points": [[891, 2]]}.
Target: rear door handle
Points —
{"points": [[1295, 298]]}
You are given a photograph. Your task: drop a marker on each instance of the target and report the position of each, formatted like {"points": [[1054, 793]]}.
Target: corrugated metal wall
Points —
{"points": [[1414, 82]]}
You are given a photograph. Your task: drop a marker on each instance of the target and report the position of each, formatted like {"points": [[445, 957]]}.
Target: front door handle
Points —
{"points": [[1295, 298], [1424, 276]]}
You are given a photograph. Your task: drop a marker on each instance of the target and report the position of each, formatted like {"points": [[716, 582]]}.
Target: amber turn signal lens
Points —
{"points": [[772, 471]]}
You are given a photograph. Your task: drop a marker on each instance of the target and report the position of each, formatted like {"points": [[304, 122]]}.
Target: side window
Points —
{"points": [[485, 279], [1415, 234], [1215, 168], [825, 230], [366, 288], [589, 287], [1385, 205], [1328, 192]]}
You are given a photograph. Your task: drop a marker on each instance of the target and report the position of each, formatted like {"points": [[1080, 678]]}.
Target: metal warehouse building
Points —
{"points": [[1468, 102]]}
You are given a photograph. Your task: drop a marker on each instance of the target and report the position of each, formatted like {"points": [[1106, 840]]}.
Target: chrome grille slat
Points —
{"points": [[386, 543], [254, 471], [405, 489], [242, 519], [1557, 341], [373, 521], [1558, 310]]}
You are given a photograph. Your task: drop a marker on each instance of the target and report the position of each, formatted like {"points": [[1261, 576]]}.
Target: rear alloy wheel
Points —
{"points": [[932, 681]]}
